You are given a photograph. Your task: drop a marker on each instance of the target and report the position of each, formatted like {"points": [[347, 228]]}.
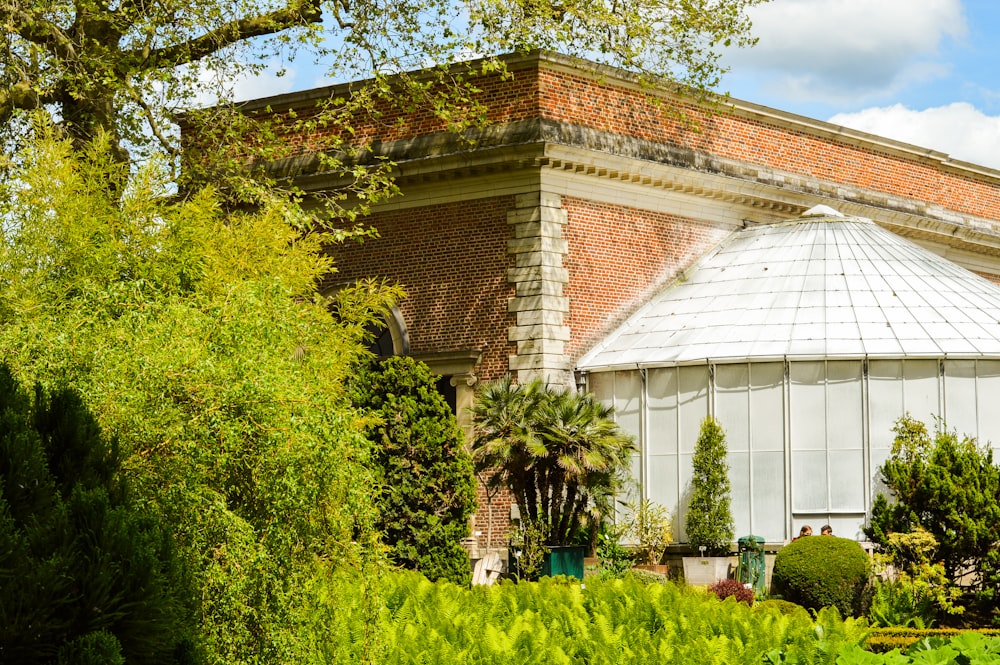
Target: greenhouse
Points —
{"points": [[807, 339]]}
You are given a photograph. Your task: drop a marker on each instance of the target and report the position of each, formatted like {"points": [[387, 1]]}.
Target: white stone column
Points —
{"points": [[538, 276]]}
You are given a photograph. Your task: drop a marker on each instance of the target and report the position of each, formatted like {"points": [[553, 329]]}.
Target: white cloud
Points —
{"points": [[830, 50], [958, 129]]}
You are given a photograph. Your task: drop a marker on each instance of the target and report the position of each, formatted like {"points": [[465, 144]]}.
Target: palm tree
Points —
{"points": [[559, 452]]}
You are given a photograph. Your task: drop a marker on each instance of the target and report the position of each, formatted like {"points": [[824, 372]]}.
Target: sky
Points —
{"points": [[919, 71]]}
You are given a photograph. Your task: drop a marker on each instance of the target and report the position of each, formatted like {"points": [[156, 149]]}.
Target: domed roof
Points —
{"points": [[822, 286]]}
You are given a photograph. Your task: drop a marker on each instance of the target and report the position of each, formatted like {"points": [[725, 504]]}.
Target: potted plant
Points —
{"points": [[648, 530], [709, 522], [558, 452]]}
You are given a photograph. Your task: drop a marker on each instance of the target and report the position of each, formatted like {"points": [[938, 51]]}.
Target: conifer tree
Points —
{"points": [[709, 520], [950, 487], [87, 575], [428, 488]]}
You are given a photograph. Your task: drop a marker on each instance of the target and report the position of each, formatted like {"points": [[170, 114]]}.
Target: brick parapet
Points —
{"points": [[549, 87]]}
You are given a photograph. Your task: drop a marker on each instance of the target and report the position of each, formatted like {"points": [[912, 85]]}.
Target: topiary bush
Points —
{"points": [[729, 587], [709, 522], [823, 571], [428, 483]]}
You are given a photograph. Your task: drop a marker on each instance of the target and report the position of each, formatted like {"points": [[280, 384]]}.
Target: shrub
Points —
{"points": [[949, 487], [428, 483], [87, 575], [726, 588], [823, 571], [647, 526], [785, 607], [918, 590], [709, 521]]}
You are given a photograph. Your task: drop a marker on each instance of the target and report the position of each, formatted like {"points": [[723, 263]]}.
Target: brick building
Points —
{"points": [[525, 243]]}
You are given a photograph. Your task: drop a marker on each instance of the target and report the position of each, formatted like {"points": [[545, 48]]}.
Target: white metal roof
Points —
{"points": [[823, 286]]}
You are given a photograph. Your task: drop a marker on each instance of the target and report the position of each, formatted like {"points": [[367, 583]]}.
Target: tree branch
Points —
{"points": [[32, 27], [309, 11], [18, 96]]}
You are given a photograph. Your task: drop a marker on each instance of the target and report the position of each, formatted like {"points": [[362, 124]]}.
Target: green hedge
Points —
{"points": [[883, 640], [823, 571]]}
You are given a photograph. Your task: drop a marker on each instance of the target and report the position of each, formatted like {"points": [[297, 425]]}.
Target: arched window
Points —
{"points": [[390, 338]]}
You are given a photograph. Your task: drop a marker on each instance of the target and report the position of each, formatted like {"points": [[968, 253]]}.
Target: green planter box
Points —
{"points": [[564, 561]]}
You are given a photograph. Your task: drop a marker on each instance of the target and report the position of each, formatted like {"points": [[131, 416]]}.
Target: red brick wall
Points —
{"points": [[578, 99], [452, 261], [619, 255]]}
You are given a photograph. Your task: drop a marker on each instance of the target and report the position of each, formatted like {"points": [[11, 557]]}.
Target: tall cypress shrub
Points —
{"points": [[86, 576], [709, 520], [428, 486]]}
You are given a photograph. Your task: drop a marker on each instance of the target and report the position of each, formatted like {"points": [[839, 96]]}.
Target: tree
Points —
{"points": [[124, 68], [428, 487], [198, 341], [559, 452], [950, 488], [709, 521], [81, 565]]}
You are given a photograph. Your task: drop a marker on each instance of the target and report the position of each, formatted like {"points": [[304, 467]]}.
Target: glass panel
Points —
{"points": [[988, 387], [809, 481], [768, 504], [920, 390], [661, 397], [885, 402], [960, 396], [732, 404], [844, 406], [663, 486], [807, 404], [685, 485], [878, 458], [628, 389], [767, 416], [602, 386], [693, 404], [739, 481], [847, 480]]}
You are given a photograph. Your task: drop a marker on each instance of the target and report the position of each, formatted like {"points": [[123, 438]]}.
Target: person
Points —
{"points": [[806, 530], [827, 530]]}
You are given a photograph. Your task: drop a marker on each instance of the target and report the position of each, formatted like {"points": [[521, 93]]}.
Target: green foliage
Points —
{"points": [[88, 576], [823, 571], [901, 603], [559, 452], [915, 590], [968, 647], [883, 640], [647, 528], [527, 544], [428, 484], [950, 488], [616, 560], [199, 343], [783, 606], [709, 521], [600, 622]]}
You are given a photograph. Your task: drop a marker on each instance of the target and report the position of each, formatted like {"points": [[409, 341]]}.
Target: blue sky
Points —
{"points": [[919, 71]]}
